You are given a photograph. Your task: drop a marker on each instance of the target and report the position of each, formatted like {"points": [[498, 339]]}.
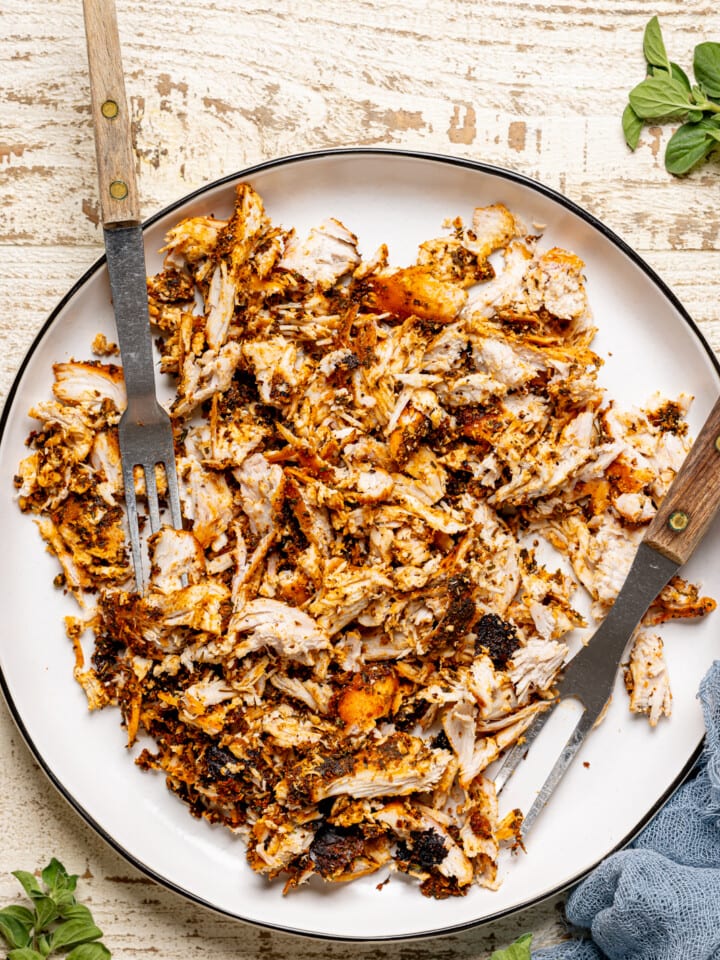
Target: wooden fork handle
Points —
{"points": [[111, 118], [693, 499]]}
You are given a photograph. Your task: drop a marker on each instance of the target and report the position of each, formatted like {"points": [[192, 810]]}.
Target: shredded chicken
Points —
{"points": [[355, 620]]}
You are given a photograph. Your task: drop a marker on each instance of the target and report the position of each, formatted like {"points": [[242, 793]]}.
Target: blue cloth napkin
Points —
{"points": [[659, 899]]}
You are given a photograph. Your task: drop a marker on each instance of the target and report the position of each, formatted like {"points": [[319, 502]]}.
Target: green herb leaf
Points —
{"points": [[77, 911], [659, 98], [74, 931], [24, 953], [690, 144], [89, 951], [43, 945], [29, 883], [654, 46], [706, 65], [679, 74], [632, 127], [519, 950], [60, 884], [16, 922], [45, 912]]}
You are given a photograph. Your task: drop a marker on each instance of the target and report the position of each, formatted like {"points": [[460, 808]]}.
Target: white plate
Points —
{"points": [[624, 772]]}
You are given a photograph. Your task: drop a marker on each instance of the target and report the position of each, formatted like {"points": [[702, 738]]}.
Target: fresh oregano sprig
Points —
{"points": [[667, 95], [55, 923]]}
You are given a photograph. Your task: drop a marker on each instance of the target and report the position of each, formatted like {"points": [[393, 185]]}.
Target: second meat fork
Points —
{"points": [[677, 528], [145, 431]]}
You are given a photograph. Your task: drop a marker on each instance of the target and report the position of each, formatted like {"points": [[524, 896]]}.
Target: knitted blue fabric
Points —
{"points": [[659, 899]]}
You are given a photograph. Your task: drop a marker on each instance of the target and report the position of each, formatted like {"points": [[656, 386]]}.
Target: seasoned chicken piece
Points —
{"points": [[473, 753], [105, 458], [221, 306], [71, 422], [292, 730], [451, 259], [204, 375], [94, 534], [232, 440], [415, 292], [447, 350], [175, 555], [499, 293], [286, 631], [316, 696], [395, 765], [261, 491], [556, 459], [102, 347], [493, 227], [678, 600], [73, 575], [372, 693], [345, 592], [279, 368], [646, 678], [201, 606], [556, 282], [600, 552], [430, 846], [274, 846], [193, 240], [479, 830], [506, 363], [328, 253], [90, 384], [206, 500], [534, 666]]}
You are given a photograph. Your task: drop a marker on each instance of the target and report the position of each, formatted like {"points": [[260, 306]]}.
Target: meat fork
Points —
{"points": [[145, 430], [677, 528]]}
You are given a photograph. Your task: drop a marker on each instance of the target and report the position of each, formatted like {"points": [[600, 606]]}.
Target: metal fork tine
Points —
{"points": [[152, 496], [173, 494], [133, 523], [573, 744], [515, 754]]}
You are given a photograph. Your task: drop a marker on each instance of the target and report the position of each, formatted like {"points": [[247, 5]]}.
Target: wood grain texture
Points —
{"points": [[117, 185], [215, 87]]}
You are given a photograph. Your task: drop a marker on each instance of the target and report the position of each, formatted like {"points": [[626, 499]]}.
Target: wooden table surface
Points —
{"points": [[217, 86]]}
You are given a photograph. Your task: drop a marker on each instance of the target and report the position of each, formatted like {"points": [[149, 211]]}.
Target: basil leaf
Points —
{"points": [[73, 931], [89, 951], [519, 950], [632, 127], [29, 883], [690, 144], [45, 912], [658, 98], [15, 925], [706, 64], [24, 953], [654, 46], [679, 74]]}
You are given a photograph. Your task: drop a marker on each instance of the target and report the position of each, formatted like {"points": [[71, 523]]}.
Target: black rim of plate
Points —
{"points": [[246, 173]]}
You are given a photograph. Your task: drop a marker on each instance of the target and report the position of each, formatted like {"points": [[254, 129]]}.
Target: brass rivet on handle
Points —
{"points": [[717, 443], [110, 109], [678, 521], [118, 189]]}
